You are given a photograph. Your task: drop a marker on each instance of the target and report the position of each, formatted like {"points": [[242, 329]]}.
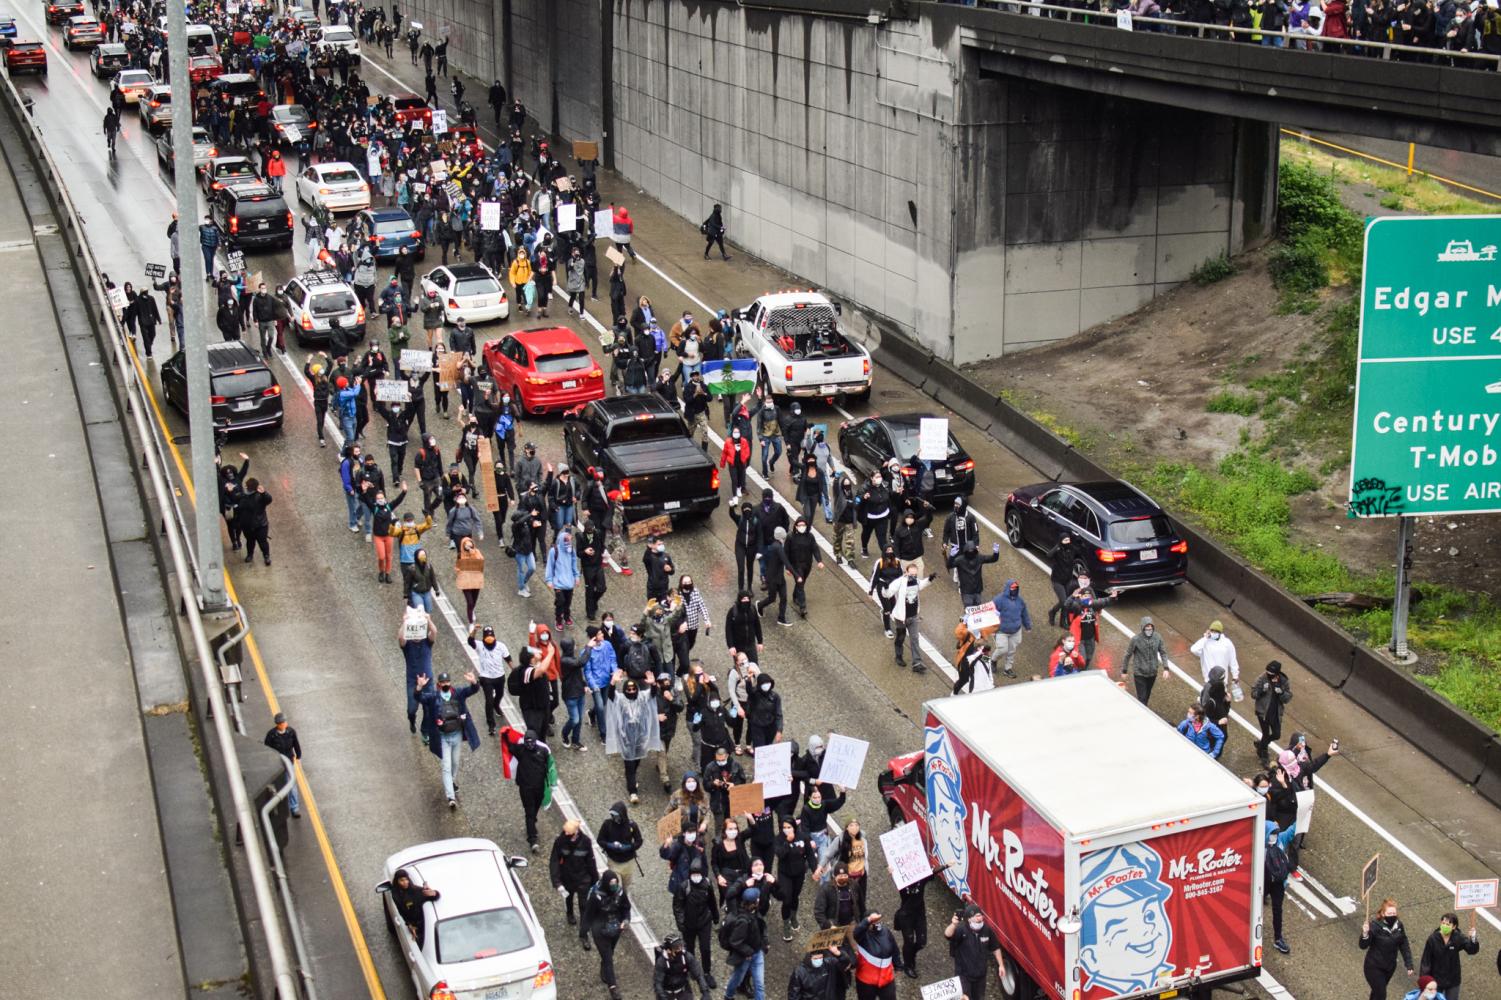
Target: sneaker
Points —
{"points": [[369, 537], [626, 571], [354, 527], [453, 804], [536, 848], [918, 668], [568, 622], [322, 444], [783, 622], [635, 799], [890, 634], [580, 748], [525, 592], [1281, 946]]}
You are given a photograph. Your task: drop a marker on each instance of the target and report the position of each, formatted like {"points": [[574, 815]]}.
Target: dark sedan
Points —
{"points": [[1127, 540], [388, 231], [867, 445]]}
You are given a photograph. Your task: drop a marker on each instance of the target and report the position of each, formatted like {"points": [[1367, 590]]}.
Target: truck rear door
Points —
{"points": [[815, 365]]}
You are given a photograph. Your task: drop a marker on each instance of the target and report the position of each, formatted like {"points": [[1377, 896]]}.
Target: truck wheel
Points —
{"points": [[1015, 984], [859, 398], [894, 814]]}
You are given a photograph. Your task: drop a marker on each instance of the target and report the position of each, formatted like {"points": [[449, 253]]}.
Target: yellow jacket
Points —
{"points": [[521, 271]]}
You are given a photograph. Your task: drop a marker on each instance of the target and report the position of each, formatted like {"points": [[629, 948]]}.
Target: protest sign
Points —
{"points": [[981, 617], [117, 301], [905, 855], [414, 625], [746, 799], [156, 270], [669, 826], [438, 169], [614, 256], [1475, 894], [440, 122], [292, 133], [489, 216], [568, 217], [372, 162], [658, 525], [774, 769], [1123, 20], [234, 260], [448, 370], [944, 989], [585, 149], [604, 223], [821, 940], [843, 761], [415, 362], [933, 439], [487, 462], [392, 390]]}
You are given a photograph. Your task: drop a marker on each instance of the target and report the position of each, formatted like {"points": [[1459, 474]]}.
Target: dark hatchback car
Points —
{"points": [[252, 216], [388, 231], [867, 445], [1128, 540], [244, 393]]}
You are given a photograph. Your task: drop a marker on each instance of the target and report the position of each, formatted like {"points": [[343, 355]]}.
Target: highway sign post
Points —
{"points": [[1427, 434]]}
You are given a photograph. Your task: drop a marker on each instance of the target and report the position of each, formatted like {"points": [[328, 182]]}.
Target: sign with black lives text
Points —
{"points": [[843, 760]]}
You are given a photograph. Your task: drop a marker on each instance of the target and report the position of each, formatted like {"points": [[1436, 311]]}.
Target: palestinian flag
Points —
{"points": [[511, 737], [732, 375]]}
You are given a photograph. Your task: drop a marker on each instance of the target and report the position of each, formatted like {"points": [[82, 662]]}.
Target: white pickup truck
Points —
{"points": [[800, 349]]}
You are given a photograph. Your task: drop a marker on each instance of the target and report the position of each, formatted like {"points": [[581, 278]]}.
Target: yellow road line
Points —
{"points": [[320, 833], [1390, 163]]}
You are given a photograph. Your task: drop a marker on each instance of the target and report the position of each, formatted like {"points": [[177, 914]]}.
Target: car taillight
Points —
{"points": [[907, 470], [307, 322], [787, 376], [453, 303], [323, 190], [967, 465], [1178, 548], [714, 477], [213, 151], [543, 976], [625, 489], [441, 991], [534, 380], [866, 366], [416, 235], [216, 400], [234, 222], [289, 220], [156, 104], [1109, 555], [218, 186], [596, 373], [377, 238], [1257, 953], [359, 314], [274, 390]]}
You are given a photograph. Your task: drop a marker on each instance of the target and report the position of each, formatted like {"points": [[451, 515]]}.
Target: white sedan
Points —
{"points": [[335, 186], [470, 292], [480, 935], [133, 83]]}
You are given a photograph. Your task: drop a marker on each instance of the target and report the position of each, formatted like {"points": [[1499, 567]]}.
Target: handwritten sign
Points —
{"points": [[438, 169], [944, 989], [1475, 894], [821, 940], [156, 270], [489, 216], [585, 149], [746, 799], [117, 301], [659, 525], [1368, 876], [568, 217], [448, 370], [292, 133], [670, 826], [981, 617], [774, 769], [933, 439], [414, 625], [440, 122], [604, 223], [614, 256], [487, 462], [843, 761], [415, 362], [392, 390], [235, 259], [905, 855]]}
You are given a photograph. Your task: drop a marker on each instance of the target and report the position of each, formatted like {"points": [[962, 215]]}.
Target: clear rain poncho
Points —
{"points": [[631, 724]]}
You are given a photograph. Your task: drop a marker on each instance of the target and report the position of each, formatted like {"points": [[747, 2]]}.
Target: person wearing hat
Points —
{"points": [[448, 724], [494, 660], [774, 569], [743, 937], [1271, 691], [675, 971], [283, 739], [1214, 649], [411, 903], [819, 976], [571, 866], [971, 943], [1145, 656]]}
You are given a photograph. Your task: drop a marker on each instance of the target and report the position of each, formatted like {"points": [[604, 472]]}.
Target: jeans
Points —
{"points": [[421, 599], [355, 505], [599, 712], [526, 565], [293, 801], [575, 723], [773, 446], [562, 516], [347, 426], [208, 260], [452, 744], [755, 967]]}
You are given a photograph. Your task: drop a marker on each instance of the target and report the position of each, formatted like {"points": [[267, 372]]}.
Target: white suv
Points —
{"points": [[335, 186], [340, 36], [315, 298]]}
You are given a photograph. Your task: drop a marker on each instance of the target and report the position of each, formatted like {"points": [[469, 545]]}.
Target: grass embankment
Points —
{"points": [[1395, 189], [1304, 413]]}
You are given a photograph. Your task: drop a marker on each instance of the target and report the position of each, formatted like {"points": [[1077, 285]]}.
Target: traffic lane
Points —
{"points": [[1473, 169]]}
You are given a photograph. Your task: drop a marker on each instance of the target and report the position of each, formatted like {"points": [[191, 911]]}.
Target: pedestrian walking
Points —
{"points": [[1015, 618], [529, 761], [493, 661], [1082, 610], [250, 517], [796, 856], [972, 944], [1270, 692], [1066, 561], [620, 839], [713, 231], [877, 960], [743, 937], [968, 566], [415, 637], [562, 576], [886, 572], [1276, 867], [675, 972], [774, 570], [1214, 649], [571, 866], [1307, 765], [1201, 732], [905, 619], [1065, 658], [1145, 659], [1442, 951], [736, 457], [606, 911], [821, 975], [912, 923], [469, 570], [1382, 940], [448, 726], [631, 728], [693, 908], [282, 738]]}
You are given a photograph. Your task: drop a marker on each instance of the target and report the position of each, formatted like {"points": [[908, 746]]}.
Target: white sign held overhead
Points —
{"points": [[568, 217], [905, 855], [1475, 894], [372, 162], [843, 761], [774, 769], [933, 439], [944, 989], [414, 625], [604, 223], [440, 121], [416, 362], [392, 390], [489, 215]]}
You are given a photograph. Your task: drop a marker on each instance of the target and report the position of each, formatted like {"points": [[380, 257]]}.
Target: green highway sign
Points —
{"points": [[1428, 380]]}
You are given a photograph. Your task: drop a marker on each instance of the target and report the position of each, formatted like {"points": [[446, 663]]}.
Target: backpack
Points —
{"points": [[725, 927], [1277, 865]]}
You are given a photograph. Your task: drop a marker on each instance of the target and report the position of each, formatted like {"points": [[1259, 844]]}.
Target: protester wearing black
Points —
{"points": [[411, 903], [912, 923], [695, 913], [1382, 940], [1271, 691], [972, 944], [250, 516], [675, 971], [819, 976], [1066, 559], [571, 865], [620, 839], [1441, 954], [796, 855], [607, 909], [532, 757]]}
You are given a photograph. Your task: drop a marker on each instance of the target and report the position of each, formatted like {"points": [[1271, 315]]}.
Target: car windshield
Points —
{"points": [[481, 935], [341, 175], [336, 301], [200, 136], [133, 77], [645, 430], [293, 113], [162, 98], [337, 34], [482, 285], [1140, 529], [408, 103], [553, 364], [904, 436], [240, 169], [242, 383], [395, 226]]}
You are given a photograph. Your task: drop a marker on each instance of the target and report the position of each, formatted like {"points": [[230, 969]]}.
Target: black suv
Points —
{"points": [[243, 391], [1127, 539], [252, 215]]}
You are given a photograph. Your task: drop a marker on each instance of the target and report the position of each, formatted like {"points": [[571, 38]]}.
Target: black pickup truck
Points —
{"points": [[643, 447]]}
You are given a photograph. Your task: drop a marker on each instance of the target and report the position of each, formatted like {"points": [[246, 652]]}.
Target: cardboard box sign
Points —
{"points": [[585, 149], [658, 525]]}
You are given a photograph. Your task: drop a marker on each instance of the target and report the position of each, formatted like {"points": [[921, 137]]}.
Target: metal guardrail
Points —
{"points": [[282, 883], [1295, 40], [161, 486]]}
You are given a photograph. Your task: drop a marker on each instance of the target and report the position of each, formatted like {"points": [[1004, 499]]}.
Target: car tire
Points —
{"points": [[1014, 983], [894, 814], [859, 397], [1081, 569], [1014, 533]]}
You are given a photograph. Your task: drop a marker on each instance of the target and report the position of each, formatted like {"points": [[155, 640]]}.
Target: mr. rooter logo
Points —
{"points": [[1031, 886]]}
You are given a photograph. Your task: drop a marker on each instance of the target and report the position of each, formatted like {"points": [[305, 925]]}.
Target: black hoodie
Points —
{"points": [[572, 670], [619, 838]]}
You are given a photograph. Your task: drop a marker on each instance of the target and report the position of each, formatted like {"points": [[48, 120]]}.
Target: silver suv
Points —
{"points": [[315, 298]]}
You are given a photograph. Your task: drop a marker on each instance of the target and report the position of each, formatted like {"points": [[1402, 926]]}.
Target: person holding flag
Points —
{"points": [[528, 762]]}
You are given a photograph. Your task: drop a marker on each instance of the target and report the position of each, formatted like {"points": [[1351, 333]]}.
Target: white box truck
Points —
{"points": [[1112, 857]]}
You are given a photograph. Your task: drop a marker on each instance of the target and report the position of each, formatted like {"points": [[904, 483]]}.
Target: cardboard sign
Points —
{"points": [[746, 799], [448, 370], [415, 362], [562, 183], [670, 826], [819, 940], [487, 462], [489, 216], [156, 270], [981, 617], [568, 217], [604, 222], [944, 989], [843, 761], [117, 301], [585, 149], [933, 439], [1475, 894], [659, 525], [392, 390], [440, 122], [439, 170], [774, 769], [905, 855], [1368, 876], [414, 625], [614, 256]]}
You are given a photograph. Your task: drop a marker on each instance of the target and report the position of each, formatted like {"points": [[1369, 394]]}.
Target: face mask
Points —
{"points": [[842, 881], [1068, 644], [731, 834], [661, 549], [690, 785], [687, 588], [713, 702], [544, 638], [816, 961], [1446, 928], [489, 643], [1215, 636], [695, 879], [1260, 789], [461, 501], [765, 688], [631, 694], [609, 623], [876, 926], [976, 925]]}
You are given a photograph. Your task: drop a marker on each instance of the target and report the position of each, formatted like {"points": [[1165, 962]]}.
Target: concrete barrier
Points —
{"points": [[1445, 732], [1311, 639], [1489, 784], [1210, 568]]}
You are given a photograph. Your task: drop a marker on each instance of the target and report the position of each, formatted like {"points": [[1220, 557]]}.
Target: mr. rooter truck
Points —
{"points": [[1112, 857]]}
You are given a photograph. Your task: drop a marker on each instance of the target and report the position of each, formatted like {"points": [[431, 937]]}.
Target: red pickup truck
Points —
{"points": [[411, 108]]}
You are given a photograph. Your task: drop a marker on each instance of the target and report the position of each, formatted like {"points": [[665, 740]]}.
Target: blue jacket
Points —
{"points": [[428, 697], [1013, 610], [1210, 739], [562, 565], [347, 398], [600, 666], [346, 466], [1284, 837]]}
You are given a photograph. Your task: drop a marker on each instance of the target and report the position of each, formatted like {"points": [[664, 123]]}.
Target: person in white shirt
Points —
{"points": [[1214, 650]]}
